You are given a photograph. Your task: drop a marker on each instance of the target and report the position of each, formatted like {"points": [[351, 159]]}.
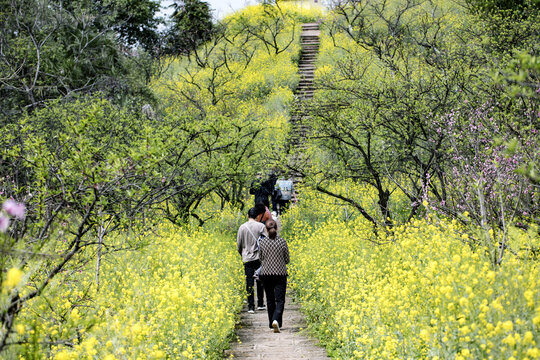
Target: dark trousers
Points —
{"points": [[249, 269], [275, 287], [281, 206]]}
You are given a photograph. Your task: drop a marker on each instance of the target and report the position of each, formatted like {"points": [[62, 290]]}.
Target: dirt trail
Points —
{"points": [[258, 341]]}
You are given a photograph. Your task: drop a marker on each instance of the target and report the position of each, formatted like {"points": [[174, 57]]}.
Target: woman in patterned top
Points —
{"points": [[274, 257]]}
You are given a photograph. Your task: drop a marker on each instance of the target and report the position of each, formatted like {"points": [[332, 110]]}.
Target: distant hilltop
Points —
{"points": [[307, 2]]}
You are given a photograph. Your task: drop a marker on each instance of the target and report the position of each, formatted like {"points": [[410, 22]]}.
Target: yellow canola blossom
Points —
{"points": [[176, 298], [13, 278], [424, 294]]}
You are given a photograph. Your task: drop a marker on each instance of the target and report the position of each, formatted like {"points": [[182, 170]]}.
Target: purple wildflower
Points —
{"points": [[15, 209], [4, 223]]}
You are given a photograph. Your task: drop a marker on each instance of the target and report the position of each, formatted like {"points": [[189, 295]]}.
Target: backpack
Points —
{"points": [[286, 188]]}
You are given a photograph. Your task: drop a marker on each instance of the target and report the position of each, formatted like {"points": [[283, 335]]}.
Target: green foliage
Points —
{"points": [[52, 51], [490, 7], [77, 169], [387, 72], [241, 87], [191, 26], [521, 78], [134, 21], [506, 26]]}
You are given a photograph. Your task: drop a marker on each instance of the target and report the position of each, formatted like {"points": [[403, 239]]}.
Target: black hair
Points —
{"points": [[252, 213], [260, 208]]}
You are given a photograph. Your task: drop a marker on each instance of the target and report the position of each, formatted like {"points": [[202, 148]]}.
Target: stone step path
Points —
{"points": [[258, 341], [309, 40]]}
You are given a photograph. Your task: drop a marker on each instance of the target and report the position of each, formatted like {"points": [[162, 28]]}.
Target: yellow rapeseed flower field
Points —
{"points": [[421, 293], [176, 298]]}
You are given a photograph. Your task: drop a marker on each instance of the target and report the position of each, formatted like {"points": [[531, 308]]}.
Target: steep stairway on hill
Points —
{"points": [[309, 39]]}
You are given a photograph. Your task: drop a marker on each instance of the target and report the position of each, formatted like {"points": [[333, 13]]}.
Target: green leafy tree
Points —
{"points": [[489, 7], [53, 49], [89, 169], [75, 169], [506, 26], [191, 26], [391, 70], [135, 22]]}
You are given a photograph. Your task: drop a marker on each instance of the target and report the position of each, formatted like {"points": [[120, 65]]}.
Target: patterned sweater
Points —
{"points": [[274, 256]]}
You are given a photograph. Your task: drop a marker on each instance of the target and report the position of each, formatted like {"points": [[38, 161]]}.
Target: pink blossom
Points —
{"points": [[4, 223], [15, 209]]}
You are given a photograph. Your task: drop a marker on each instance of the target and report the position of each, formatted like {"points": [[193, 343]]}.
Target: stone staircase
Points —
{"points": [[309, 39]]}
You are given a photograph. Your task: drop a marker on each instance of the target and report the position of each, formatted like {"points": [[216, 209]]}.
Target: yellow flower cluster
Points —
{"points": [[252, 78], [420, 293], [301, 12], [176, 298], [13, 278]]}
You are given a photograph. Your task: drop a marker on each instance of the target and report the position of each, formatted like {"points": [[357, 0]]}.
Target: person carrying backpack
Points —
{"points": [[283, 194]]}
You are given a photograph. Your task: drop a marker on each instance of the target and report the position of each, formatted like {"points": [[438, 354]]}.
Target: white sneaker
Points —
{"points": [[261, 308], [275, 325], [251, 311]]}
